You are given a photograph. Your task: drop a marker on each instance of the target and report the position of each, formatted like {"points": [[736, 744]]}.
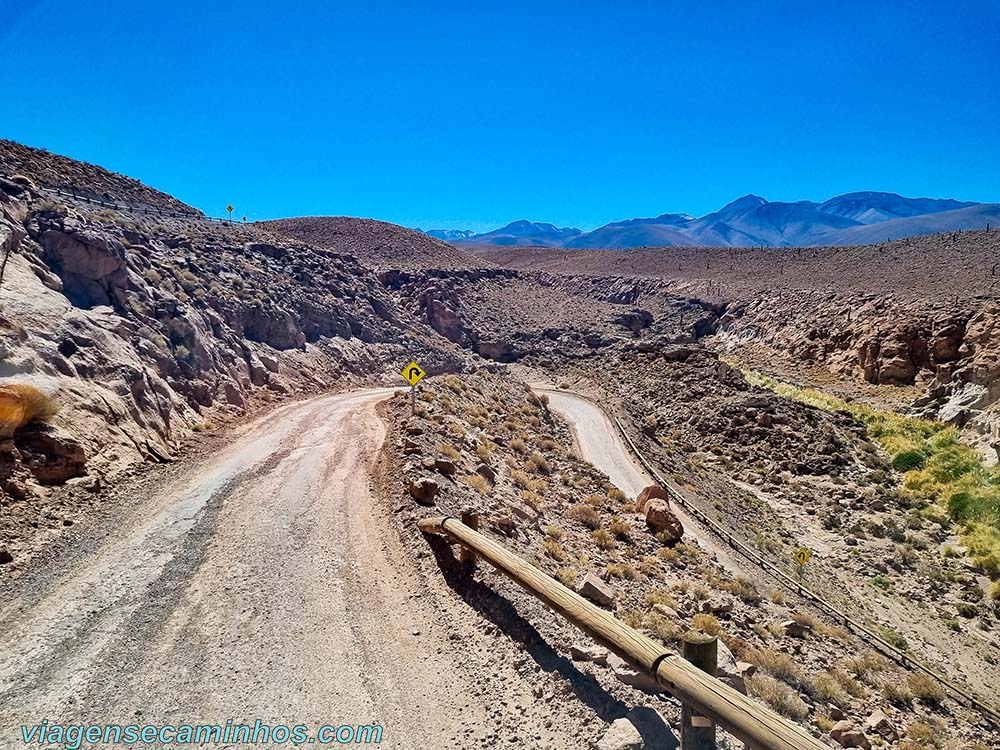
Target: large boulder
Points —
{"points": [[882, 725], [50, 454], [647, 494], [91, 266], [662, 520]]}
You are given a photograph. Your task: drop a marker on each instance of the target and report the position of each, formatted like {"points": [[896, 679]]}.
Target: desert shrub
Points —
{"points": [[477, 482], [449, 451], [21, 403], [537, 464], [868, 667], [743, 588], [522, 480], [566, 576], [518, 445], [659, 596], [554, 532], [919, 736], [663, 627], [619, 527], [894, 638], [775, 663], [531, 499], [616, 494], [825, 688], [924, 687], [622, 570], [778, 696], [553, 549], [650, 565], [603, 539], [595, 501], [895, 690], [633, 618], [908, 459], [706, 623], [586, 515]]}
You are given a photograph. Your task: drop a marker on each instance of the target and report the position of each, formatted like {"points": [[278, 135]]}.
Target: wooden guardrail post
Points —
{"points": [[697, 731], [742, 717], [471, 519]]}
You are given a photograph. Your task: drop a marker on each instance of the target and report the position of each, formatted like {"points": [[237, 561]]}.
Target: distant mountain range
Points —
{"points": [[850, 219]]}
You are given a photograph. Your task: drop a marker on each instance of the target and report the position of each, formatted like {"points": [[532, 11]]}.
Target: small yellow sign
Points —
{"points": [[229, 208], [802, 555], [413, 373]]}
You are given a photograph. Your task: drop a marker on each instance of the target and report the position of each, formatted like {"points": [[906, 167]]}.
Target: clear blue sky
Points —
{"points": [[473, 114]]}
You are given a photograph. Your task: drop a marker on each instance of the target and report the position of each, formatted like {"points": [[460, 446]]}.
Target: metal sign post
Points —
{"points": [[413, 374]]}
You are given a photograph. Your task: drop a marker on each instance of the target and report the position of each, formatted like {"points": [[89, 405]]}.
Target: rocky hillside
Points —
{"points": [[142, 329], [486, 443], [50, 170], [916, 312]]}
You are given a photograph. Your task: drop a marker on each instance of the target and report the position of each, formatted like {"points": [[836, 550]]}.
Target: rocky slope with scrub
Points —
{"points": [[485, 443]]}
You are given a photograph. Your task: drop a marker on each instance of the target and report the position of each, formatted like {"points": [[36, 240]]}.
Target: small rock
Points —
{"points": [[848, 735], [629, 675], [486, 471], [596, 654], [596, 590], [424, 490], [5, 556], [621, 735], [663, 610], [879, 723], [796, 629], [444, 466]]}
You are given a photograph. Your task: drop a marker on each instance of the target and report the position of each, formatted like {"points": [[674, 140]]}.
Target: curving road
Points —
{"points": [[599, 442], [260, 585]]}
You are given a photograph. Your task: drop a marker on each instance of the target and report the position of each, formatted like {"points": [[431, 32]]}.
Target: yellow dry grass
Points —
{"points": [[20, 404]]}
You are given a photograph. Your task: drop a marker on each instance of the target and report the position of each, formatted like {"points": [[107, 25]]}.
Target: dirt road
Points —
{"points": [[600, 443], [259, 585]]}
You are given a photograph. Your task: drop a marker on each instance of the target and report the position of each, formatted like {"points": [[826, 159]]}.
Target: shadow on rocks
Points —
{"points": [[496, 608]]}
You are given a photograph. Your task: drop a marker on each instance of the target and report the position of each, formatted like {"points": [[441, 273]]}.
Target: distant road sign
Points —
{"points": [[229, 208], [802, 555], [413, 373]]}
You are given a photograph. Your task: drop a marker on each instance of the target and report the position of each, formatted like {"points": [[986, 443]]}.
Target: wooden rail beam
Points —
{"points": [[705, 695]]}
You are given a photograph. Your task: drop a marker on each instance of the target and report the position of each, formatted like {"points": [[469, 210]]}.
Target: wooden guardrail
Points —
{"points": [[700, 692], [990, 713]]}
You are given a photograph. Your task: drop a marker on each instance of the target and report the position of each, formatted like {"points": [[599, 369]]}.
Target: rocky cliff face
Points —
{"points": [[145, 329]]}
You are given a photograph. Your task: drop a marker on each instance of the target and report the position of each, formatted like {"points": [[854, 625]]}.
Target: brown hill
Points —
{"points": [[377, 243]]}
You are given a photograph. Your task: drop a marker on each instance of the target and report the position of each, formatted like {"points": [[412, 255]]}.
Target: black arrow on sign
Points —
{"points": [[413, 372]]}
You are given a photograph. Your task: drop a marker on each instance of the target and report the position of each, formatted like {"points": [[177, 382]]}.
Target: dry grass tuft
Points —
{"points": [[708, 624], [20, 404], [477, 482], [585, 514], [778, 696]]}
